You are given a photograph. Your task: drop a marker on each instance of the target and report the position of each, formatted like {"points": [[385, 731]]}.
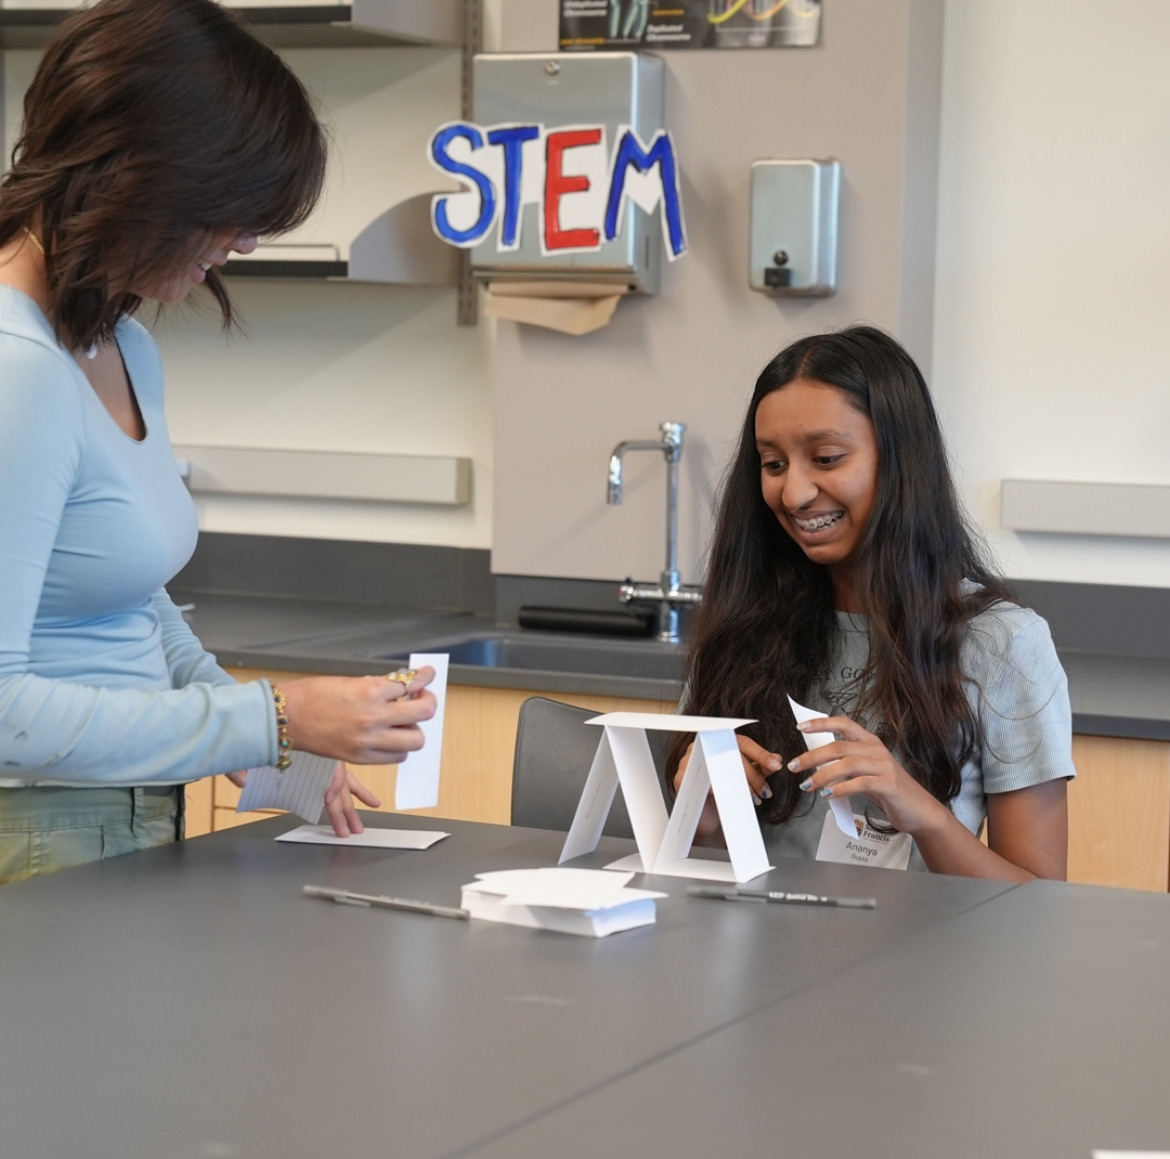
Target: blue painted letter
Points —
{"points": [[471, 177], [661, 153], [512, 138]]}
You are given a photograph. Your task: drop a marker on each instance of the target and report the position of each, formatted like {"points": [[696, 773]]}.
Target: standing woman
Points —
{"points": [[843, 574], [159, 138]]}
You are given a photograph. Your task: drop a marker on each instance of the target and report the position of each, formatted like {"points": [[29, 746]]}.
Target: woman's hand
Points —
{"points": [[339, 804], [758, 765], [860, 763], [367, 720]]}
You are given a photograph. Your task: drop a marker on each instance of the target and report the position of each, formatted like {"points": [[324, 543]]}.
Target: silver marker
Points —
{"points": [[345, 897]]}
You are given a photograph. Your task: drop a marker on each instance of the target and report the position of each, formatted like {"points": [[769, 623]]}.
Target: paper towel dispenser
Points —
{"points": [[583, 176]]}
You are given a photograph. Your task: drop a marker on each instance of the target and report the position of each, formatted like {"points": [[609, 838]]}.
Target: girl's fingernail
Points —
{"points": [[766, 793], [755, 799], [802, 725], [806, 784], [794, 765], [775, 763], [827, 791]]}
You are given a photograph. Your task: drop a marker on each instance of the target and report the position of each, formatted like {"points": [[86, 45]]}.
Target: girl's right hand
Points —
{"points": [[758, 765], [366, 720]]}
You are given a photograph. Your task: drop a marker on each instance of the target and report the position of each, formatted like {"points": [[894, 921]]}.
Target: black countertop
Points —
{"points": [[357, 640], [1112, 694], [189, 1002]]}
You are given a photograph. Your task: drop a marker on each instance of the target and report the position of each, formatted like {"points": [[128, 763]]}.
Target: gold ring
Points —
{"points": [[402, 675]]}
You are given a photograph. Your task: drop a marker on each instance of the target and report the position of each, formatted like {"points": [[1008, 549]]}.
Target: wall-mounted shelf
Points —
{"points": [[1115, 509], [363, 23], [398, 248], [371, 100], [442, 479]]}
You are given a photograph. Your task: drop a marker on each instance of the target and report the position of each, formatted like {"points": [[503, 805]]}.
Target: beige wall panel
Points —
{"points": [[868, 96]]}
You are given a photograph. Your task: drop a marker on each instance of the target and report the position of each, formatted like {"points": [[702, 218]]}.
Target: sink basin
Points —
{"points": [[645, 659]]}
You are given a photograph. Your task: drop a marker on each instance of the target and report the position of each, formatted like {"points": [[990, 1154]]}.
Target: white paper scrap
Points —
{"points": [[417, 782], [581, 889], [300, 789], [669, 722], [842, 810], [373, 838], [1131, 1155]]}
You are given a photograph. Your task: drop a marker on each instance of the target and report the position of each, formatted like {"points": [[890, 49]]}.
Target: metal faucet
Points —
{"points": [[669, 593]]}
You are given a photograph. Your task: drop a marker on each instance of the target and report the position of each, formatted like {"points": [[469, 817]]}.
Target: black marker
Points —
{"points": [[723, 893]]}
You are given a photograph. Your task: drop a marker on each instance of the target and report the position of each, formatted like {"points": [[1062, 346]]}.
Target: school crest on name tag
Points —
{"points": [[868, 847]]}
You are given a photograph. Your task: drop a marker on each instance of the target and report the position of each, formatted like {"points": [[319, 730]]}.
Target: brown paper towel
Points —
{"points": [[570, 307]]}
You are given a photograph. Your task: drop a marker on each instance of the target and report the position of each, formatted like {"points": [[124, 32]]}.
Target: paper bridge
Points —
{"points": [[664, 840]]}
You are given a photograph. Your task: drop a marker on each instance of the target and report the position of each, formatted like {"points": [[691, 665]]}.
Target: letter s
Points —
{"points": [[475, 181]]}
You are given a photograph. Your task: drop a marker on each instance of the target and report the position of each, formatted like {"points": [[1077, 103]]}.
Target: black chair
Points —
{"points": [[554, 752]]}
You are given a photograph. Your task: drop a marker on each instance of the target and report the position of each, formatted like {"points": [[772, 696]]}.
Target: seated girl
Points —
{"points": [[843, 574]]}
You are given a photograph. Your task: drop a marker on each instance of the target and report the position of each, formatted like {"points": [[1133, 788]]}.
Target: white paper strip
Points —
{"points": [[842, 810], [417, 783]]}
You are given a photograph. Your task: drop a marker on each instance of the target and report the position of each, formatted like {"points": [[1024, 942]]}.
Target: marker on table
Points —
{"points": [[725, 894], [344, 897]]}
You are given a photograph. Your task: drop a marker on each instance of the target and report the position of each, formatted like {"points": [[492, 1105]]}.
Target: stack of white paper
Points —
{"points": [[591, 902]]}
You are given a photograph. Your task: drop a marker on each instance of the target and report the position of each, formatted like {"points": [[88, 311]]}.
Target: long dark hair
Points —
{"points": [[151, 127], [767, 624]]}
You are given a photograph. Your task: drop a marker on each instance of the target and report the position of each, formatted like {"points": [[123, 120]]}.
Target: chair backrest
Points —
{"points": [[554, 752]]}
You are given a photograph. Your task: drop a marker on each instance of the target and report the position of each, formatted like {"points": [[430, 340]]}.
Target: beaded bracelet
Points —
{"points": [[284, 759]]}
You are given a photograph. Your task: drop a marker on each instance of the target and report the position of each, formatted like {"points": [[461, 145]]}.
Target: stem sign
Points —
{"points": [[580, 183]]}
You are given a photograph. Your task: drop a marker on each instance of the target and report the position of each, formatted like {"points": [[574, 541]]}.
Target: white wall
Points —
{"points": [[1052, 339], [346, 367], [1052, 309]]}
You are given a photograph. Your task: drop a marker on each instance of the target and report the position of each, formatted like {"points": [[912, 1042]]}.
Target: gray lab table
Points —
{"points": [[188, 1002]]}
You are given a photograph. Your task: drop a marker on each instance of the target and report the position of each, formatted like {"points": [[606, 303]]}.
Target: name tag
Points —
{"points": [[869, 847]]}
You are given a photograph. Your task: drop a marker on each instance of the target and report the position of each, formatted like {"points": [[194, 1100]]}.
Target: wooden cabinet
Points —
{"points": [[479, 738], [1119, 813]]}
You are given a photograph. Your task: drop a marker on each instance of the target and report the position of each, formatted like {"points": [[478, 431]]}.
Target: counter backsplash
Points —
{"points": [[1127, 621]]}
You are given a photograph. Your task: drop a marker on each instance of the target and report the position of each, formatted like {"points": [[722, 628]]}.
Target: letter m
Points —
{"points": [[660, 156]]}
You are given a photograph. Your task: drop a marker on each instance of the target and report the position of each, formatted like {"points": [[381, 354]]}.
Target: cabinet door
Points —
{"points": [[1119, 813], [479, 739]]}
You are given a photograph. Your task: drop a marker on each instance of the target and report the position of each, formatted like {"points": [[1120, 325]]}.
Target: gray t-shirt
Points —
{"points": [[1019, 692]]}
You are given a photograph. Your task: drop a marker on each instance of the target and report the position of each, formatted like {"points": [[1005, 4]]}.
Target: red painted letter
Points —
{"points": [[556, 185]]}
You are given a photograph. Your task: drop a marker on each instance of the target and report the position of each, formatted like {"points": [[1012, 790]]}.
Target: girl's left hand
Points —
{"points": [[860, 763], [339, 804]]}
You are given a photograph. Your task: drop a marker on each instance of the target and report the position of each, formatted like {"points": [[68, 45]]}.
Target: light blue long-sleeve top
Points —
{"points": [[101, 680]]}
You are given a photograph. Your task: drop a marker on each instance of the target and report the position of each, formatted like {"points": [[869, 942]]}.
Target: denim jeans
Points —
{"points": [[46, 829]]}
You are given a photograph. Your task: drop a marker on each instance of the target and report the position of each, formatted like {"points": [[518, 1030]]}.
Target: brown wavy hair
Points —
{"points": [[151, 127], [766, 628]]}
